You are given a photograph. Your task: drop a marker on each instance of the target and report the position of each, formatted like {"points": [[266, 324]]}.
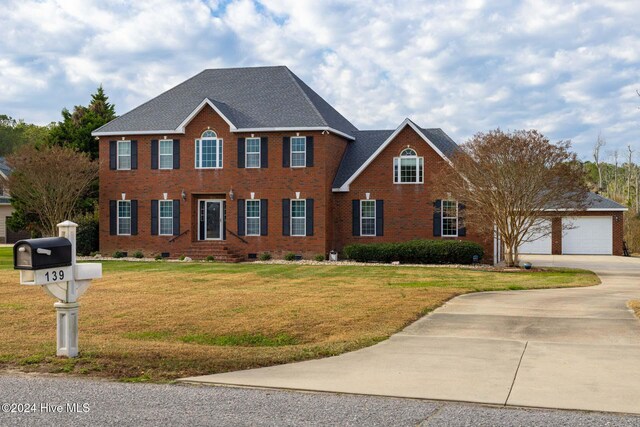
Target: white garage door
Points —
{"points": [[540, 243], [590, 235]]}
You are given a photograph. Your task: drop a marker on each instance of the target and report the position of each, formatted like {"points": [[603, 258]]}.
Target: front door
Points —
{"points": [[211, 220]]}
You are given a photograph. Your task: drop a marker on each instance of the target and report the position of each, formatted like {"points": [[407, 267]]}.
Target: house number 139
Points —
{"points": [[55, 276]]}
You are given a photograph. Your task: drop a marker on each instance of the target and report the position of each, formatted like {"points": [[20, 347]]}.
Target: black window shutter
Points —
{"points": [[264, 152], [241, 216], [355, 217], [379, 217], [437, 215], [286, 150], [134, 154], [309, 151], [176, 154], [309, 217], [286, 217], [462, 230], [134, 217], [176, 217], [154, 154], [154, 218], [264, 217], [113, 217], [241, 151], [113, 155]]}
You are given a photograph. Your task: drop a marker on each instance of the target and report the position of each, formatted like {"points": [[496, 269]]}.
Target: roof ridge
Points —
{"points": [[293, 78], [152, 99]]}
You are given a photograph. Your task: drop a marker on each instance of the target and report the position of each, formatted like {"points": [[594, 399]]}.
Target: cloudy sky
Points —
{"points": [[569, 69]]}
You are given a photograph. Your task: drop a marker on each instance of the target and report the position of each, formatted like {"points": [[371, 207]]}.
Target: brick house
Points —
{"points": [[236, 162]]}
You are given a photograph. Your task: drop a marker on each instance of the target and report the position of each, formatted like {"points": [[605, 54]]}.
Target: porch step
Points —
{"points": [[218, 251]]}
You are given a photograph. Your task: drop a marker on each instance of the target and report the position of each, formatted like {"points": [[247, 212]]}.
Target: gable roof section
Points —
{"points": [[370, 143], [249, 99]]}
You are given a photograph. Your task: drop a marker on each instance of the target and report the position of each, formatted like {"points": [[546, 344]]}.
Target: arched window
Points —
{"points": [[208, 151], [408, 168]]}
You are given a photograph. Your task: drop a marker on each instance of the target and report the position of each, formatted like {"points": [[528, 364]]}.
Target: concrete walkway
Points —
{"points": [[559, 348]]}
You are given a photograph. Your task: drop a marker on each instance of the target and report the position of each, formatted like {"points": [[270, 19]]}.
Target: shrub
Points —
{"points": [[290, 256], [181, 257], [87, 234], [210, 258], [158, 257], [416, 252], [138, 254], [118, 254], [319, 258], [265, 256]]}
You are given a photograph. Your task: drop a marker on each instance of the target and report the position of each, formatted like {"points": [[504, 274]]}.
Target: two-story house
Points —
{"points": [[235, 162]]}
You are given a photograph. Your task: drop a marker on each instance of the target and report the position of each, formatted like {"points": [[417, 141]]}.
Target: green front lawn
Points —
{"points": [[159, 320]]}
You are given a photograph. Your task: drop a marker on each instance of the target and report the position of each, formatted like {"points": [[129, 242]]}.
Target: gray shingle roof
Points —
{"points": [[368, 141], [596, 201], [259, 97], [4, 167]]}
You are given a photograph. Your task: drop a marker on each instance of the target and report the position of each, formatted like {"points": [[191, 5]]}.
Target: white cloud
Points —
{"points": [[568, 69]]}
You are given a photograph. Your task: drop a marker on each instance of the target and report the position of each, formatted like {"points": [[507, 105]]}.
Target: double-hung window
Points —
{"points": [[208, 151], [124, 155], [124, 217], [367, 217], [298, 217], [166, 217], [166, 154], [252, 217], [449, 218], [298, 151], [252, 151], [408, 168]]}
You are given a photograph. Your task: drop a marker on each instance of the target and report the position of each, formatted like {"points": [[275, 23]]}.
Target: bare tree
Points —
{"points": [[615, 174], [510, 181], [47, 183], [600, 142]]}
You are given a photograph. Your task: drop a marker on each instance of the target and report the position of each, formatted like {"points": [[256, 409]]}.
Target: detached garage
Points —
{"points": [[596, 230]]}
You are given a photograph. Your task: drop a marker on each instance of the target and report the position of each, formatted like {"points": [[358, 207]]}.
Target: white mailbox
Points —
{"points": [[63, 279]]}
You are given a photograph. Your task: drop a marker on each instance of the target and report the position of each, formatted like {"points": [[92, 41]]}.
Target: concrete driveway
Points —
{"points": [[558, 348]]}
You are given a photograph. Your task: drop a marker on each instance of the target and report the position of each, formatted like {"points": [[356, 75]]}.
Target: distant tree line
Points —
{"points": [[615, 174]]}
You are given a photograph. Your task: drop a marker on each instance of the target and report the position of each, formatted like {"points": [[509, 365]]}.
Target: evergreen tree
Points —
{"points": [[75, 128]]}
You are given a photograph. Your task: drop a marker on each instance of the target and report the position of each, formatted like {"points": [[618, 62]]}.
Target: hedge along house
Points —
{"points": [[235, 162]]}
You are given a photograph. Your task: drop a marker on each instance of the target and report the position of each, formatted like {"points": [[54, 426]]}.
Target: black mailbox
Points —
{"points": [[40, 254]]}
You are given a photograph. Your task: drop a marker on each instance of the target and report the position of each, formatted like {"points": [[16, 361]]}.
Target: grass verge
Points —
{"points": [[159, 321]]}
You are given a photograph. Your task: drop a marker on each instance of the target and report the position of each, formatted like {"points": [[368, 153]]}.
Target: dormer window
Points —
{"points": [[208, 151], [408, 168]]}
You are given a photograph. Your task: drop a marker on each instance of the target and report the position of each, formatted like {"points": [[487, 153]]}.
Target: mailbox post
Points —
{"points": [[51, 263]]}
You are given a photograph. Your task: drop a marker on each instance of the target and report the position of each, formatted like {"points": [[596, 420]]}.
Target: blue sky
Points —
{"points": [[568, 69]]}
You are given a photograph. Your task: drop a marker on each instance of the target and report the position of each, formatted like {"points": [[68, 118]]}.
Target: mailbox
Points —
{"points": [[39, 254]]}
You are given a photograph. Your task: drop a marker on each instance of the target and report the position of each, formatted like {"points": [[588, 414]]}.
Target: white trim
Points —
{"points": [[298, 152], [246, 152], [182, 126], [375, 225], [160, 153], [118, 218], [295, 129], [588, 210], [419, 167], [246, 217], [457, 218], [291, 218], [3, 175], [406, 122], [160, 233], [135, 132], [118, 155]]}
